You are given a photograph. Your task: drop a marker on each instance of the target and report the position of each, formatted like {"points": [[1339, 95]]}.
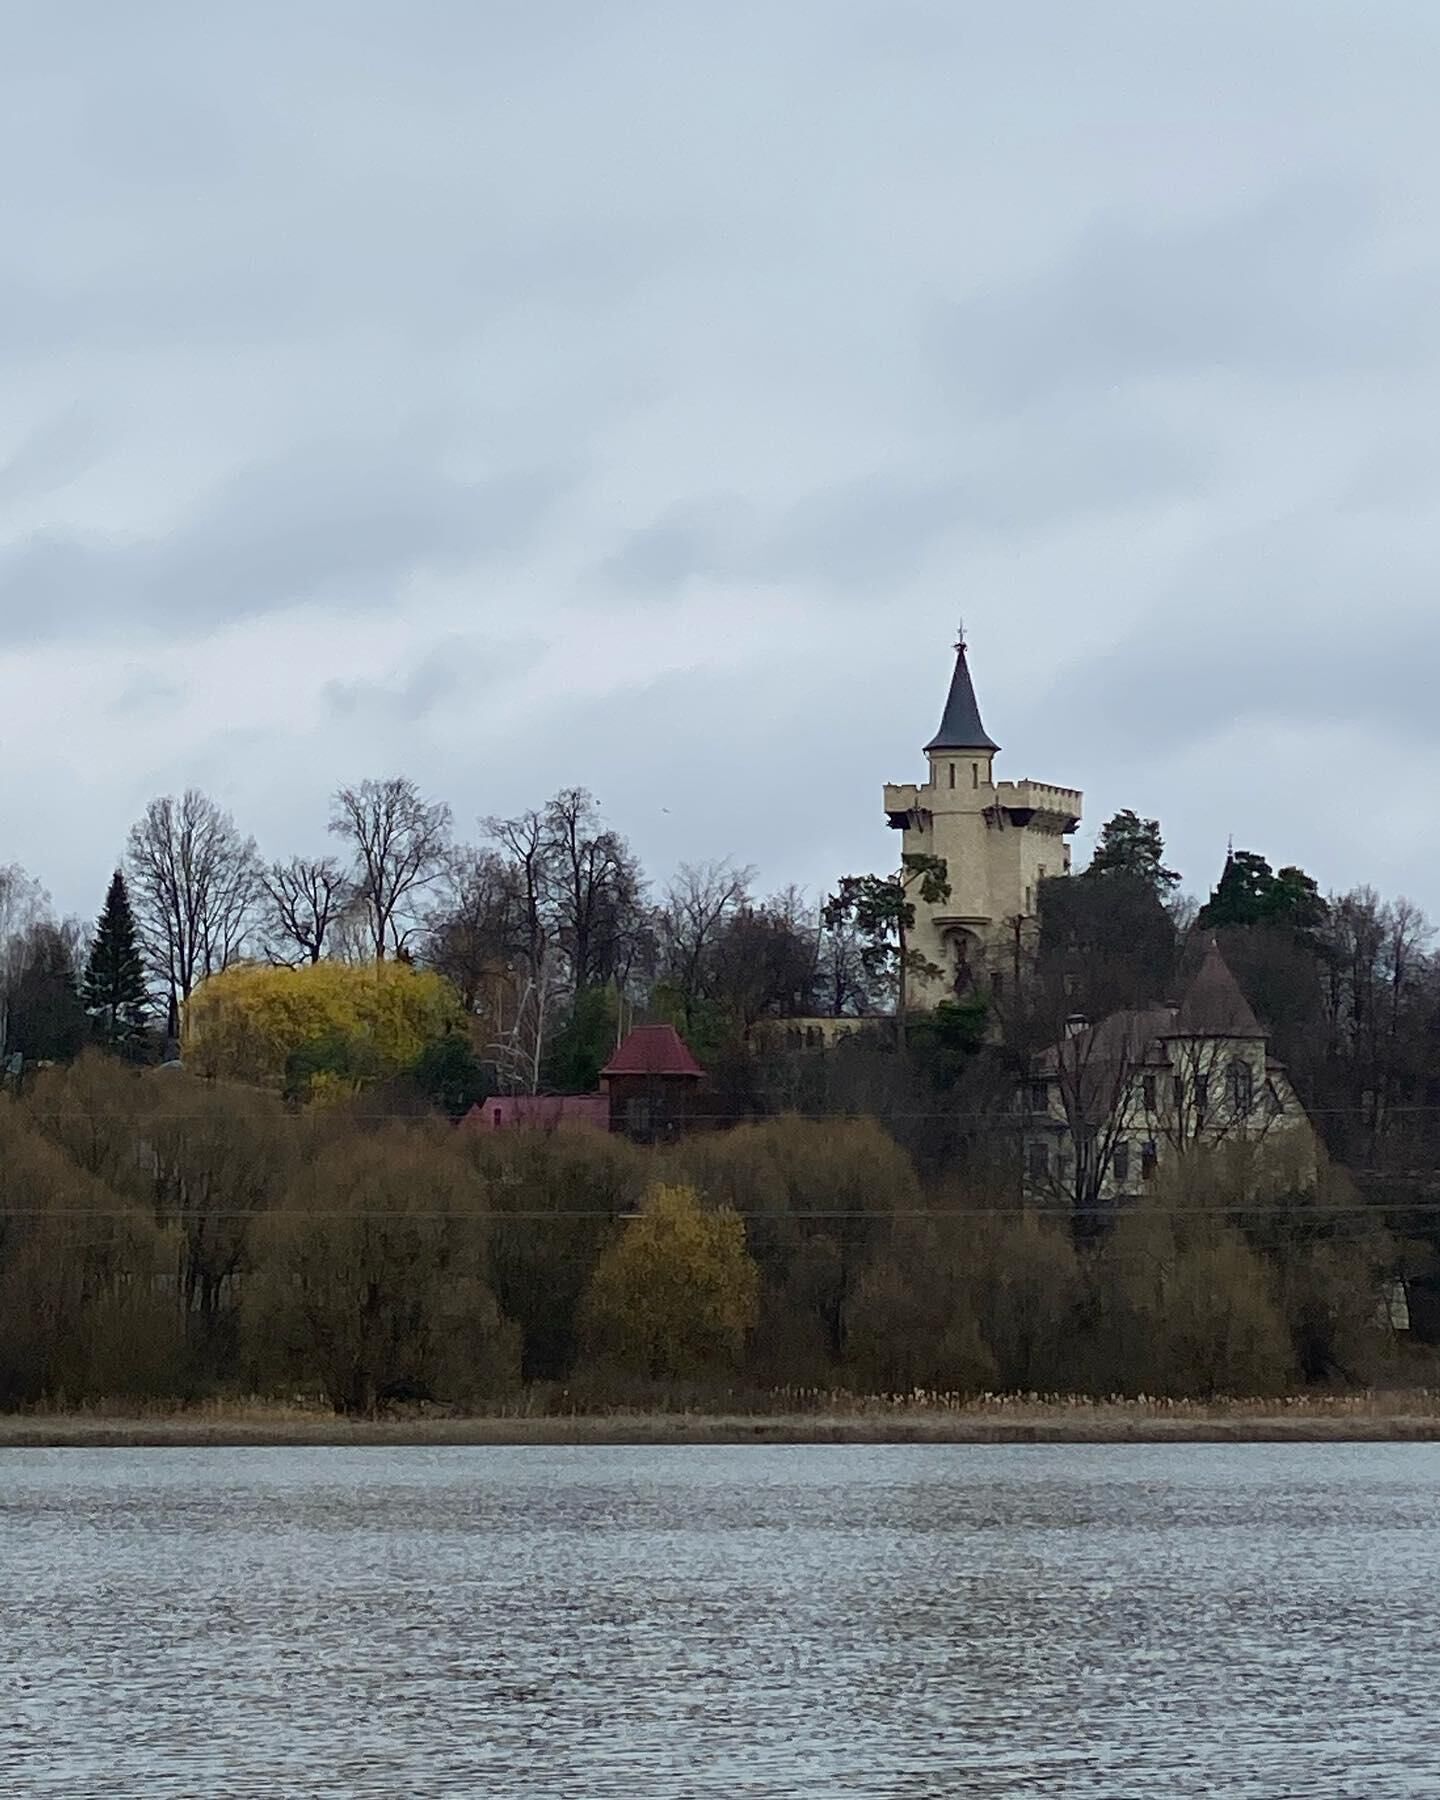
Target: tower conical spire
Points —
{"points": [[960, 727]]}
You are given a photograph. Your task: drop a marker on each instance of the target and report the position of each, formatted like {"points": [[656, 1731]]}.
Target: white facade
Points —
{"points": [[1110, 1105]]}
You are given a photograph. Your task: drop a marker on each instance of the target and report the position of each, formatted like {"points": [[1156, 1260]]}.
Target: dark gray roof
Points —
{"points": [[1213, 1005], [1101, 1059], [960, 727]]}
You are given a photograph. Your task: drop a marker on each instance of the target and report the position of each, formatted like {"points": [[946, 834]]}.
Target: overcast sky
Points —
{"points": [[516, 395]]}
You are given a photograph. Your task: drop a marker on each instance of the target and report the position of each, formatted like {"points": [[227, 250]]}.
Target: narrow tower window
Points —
{"points": [[952, 774], [975, 775]]}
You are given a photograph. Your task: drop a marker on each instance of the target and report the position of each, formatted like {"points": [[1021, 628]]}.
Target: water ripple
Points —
{"points": [[1125, 1623]]}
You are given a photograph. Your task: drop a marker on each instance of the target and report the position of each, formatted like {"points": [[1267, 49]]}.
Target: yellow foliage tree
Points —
{"points": [[328, 1023], [676, 1292]]}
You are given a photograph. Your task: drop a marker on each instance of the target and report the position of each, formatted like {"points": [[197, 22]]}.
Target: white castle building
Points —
{"points": [[998, 840]]}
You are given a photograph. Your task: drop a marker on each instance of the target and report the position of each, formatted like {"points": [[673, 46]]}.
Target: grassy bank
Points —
{"points": [[1407, 1415]]}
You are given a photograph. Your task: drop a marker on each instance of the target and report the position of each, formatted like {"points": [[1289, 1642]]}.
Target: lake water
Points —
{"points": [[909, 1622]]}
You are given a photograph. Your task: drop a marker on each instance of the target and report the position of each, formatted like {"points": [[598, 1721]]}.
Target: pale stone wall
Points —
{"points": [[1194, 1099], [824, 1031], [998, 842]]}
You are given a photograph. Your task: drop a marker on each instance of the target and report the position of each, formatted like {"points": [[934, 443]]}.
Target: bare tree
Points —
{"points": [[524, 845], [1086, 1103], [594, 888], [524, 850], [764, 960], [307, 896], [399, 842], [470, 934], [518, 1046], [1218, 1089], [195, 884], [697, 904], [843, 983], [349, 938], [24, 905]]}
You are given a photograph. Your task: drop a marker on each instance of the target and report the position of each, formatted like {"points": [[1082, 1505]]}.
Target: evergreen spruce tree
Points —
{"points": [[114, 989], [1132, 846]]}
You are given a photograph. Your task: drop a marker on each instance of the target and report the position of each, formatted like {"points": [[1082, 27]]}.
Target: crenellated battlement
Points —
{"points": [[1041, 797], [999, 841]]}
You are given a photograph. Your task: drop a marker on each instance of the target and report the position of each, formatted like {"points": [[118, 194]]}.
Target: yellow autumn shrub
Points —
{"points": [[676, 1292], [340, 1024]]}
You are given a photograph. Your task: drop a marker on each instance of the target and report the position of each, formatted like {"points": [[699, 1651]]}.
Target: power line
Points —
{"points": [[998, 1115], [1117, 1213]]}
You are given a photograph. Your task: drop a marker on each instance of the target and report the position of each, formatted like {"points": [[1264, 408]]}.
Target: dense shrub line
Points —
{"points": [[167, 1237]]}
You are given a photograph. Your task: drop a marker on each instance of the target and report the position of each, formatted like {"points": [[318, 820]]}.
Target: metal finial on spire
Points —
{"points": [[960, 727], [960, 635]]}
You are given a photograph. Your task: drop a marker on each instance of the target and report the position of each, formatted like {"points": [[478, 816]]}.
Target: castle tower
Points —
{"points": [[999, 841]]}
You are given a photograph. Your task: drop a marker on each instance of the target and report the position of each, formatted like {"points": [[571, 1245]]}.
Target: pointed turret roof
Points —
{"points": [[960, 727], [654, 1050], [1213, 1006]]}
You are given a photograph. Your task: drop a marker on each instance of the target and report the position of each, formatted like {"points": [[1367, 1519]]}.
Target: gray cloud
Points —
{"points": [[884, 527], [145, 692], [1288, 286], [702, 538], [457, 667], [357, 359], [326, 524], [49, 456], [1233, 643]]}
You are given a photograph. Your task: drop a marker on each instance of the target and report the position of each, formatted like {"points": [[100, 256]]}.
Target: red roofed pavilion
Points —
{"points": [[654, 1050], [651, 1080]]}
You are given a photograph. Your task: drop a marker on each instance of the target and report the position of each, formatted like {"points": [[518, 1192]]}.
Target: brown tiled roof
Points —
{"points": [[653, 1050]]}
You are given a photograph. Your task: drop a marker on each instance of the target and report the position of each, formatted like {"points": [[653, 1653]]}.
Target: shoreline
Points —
{"points": [[1298, 1422]]}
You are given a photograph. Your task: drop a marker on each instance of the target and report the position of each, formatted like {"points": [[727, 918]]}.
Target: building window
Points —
{"points": [[1147, 1092], [974, 775], [952, 774], [1177, 1093], [1149, 1157], [1202, 1095], [1039, 1161], [1120, 1163], [1242, 1087], [1040, 1096]]}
